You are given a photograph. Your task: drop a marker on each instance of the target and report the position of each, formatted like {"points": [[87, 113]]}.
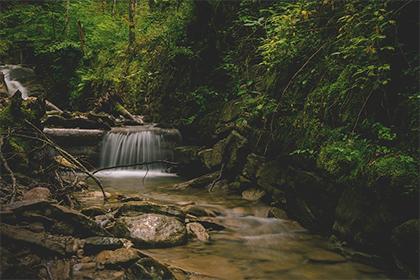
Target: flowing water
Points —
{"points": [[127, 146], [252, 246]]}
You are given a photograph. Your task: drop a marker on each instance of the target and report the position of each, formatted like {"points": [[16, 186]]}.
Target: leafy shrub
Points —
{"points": [[343, 160], [397, 171]]}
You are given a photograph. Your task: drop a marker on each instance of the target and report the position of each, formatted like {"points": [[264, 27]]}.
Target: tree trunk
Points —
{"points": [[81, 36], [114, 4], [131, 24], [67, 19]]}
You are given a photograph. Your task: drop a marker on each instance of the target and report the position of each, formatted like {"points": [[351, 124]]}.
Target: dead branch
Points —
{"points": [[65, 154], [135, 164], [218, 178]]}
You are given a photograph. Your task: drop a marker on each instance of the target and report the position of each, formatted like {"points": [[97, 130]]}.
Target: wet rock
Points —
{"points": [[13, 267], [64, 220], [323, 256], [93, 211], [196, 230], [41, 242], [37, 193], [230, 150], [131, 198], [148, 207], [122, 256], [200, 211], [199, 182], [58, 269], [101, 274], [252, 164], [277, 213], [207, 223], [148, 268], [154, 230], [99, 243], [104, 221], [212, 157], [405, 247], [253, 194], [120, 229]]}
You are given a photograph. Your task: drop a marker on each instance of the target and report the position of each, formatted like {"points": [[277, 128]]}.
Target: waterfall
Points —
{"points": [[18, 77], [124, 146]]}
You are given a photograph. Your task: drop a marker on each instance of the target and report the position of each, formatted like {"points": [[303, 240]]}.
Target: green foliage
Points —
{"points": [[344, 159], [395, 170]]}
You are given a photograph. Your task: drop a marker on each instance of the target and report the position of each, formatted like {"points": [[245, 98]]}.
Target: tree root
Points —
{"points": [[9, 170]]}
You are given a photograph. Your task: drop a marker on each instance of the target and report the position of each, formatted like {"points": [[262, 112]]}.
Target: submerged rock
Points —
{"points": [[322, 256], [98, 243], [253, 194], [196, 230], [148, 268], [122, 256], [154, 230], [133, 208]]}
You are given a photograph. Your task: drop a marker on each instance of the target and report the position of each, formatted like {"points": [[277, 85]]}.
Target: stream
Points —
{"points": [[251, 246]]}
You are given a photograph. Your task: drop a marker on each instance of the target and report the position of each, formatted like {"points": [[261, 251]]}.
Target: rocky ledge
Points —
{"points": [[44, 240]]}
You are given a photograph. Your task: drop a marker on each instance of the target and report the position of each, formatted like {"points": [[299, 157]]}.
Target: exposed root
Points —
{"points": [[9, 170]]}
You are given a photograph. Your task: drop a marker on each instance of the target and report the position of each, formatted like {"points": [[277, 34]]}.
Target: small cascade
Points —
{"points": [[21, 78], [125, 146]]}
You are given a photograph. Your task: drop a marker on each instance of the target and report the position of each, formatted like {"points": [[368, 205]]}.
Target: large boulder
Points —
{"points": [[189, 163], [252, 164], [405, 247], [231, 151], [311, 199], [154, 230], [366, 215], [57, 218]]}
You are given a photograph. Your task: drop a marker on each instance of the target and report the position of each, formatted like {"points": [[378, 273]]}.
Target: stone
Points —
{"points": [[189, 163], [99, 243], [196, 230], [277, 213], [322, 256], [57, 218], [200, 211], [405, 247], [60, 269], [252, 164], [93, 211], [253, 194], [154, 230], [148, 268], [230, 150], [37, 193], [122, 256], [41, 242], [133, 208]]}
